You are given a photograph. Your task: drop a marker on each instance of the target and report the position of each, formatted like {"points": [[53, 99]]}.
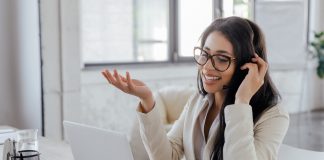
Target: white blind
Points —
{"points": [[284, 23]]}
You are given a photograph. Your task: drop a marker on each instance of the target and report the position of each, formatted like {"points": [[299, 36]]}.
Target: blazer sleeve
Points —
{"points": [[243, 140], [158, 144]]}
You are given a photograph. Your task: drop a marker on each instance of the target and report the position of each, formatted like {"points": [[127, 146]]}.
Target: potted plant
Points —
{"points": [[318, 45]]}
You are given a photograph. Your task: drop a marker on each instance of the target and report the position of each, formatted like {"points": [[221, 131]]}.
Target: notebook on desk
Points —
{"points": [[93, 143]]}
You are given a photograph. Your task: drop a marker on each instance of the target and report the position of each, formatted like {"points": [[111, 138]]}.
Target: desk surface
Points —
{"points": [[51, 150]]}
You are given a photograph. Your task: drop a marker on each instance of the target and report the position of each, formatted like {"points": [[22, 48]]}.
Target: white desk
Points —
{"points": [[287, 152], [51, 150]]}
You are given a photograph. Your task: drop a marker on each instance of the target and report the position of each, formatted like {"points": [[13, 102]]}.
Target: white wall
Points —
{"points": [[317, 15], [51, 51], [61, 56], [27, 68], [22, 64], [6, 103]]}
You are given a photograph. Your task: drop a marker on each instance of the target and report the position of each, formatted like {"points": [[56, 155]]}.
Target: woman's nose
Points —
{"points": [[209, 65]]}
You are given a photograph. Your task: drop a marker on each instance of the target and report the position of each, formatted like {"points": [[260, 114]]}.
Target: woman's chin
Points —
{"points": [[211, 88]]}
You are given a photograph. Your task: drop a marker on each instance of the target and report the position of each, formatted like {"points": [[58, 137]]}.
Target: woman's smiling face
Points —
{"points": [[214, 80]]}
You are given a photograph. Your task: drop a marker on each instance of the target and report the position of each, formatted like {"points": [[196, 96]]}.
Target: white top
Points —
{"points": [[200, 139], [243, 138]]}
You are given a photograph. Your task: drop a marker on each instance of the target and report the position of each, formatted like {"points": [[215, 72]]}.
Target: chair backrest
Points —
{"points": [[172, 99], [287, 152]]}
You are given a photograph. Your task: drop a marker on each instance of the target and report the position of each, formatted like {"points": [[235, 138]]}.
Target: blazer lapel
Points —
{"points": [[198, 109], [210, 143]]}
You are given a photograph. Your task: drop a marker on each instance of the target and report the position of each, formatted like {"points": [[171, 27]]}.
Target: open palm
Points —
{"points": [[128, 85]]}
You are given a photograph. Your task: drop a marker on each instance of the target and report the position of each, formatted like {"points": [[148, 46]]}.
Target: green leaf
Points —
{"points": [[320, 72], [321, 42], [313, 44], [319, 34], [321, 46]]}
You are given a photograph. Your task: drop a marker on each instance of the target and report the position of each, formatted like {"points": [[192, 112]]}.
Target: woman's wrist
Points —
{"points": [[147, 104], [242, 101]]}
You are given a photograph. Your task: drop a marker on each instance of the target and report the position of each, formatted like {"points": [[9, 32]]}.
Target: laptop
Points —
{"points": [[93, 143]]}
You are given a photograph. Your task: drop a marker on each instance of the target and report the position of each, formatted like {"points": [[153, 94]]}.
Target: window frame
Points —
{"points": [[173, 40]]}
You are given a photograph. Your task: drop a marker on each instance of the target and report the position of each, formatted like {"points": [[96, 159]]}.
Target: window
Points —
{"points": [[124, 31], [106, 31], [151, 30], [240, 8], [136, 31], [194, 17]]}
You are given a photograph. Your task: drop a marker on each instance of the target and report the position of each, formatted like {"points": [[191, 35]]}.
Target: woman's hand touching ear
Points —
{"points": [[253, 80], [132, 87]]}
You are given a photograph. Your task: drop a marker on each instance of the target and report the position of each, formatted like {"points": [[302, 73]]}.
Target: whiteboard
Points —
{"points": [[284, 24]]}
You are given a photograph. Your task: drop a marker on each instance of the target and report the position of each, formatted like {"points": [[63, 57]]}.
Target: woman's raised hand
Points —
{"points": [[131, 86], [252, 81]]}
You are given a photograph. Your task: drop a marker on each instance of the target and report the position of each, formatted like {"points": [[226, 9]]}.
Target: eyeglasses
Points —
{"points": [[220, 62]]}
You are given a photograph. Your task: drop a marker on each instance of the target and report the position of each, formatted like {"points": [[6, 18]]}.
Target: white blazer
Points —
{"points": [[243, 139]]}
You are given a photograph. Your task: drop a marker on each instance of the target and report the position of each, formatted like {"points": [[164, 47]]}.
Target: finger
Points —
{"points": [[262, 65], [256, 55], [116, 75], [110, 77], [104, 74], [255, 58], [253, 72], [123, 78], [263, 68], [129, 82], [250, 66], [119, 82]]}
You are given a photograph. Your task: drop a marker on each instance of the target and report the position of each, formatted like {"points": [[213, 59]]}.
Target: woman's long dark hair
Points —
{"points": [[246, 39]]}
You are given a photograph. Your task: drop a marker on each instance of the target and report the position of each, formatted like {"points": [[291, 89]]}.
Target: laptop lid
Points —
{"points": [[93, 143]]}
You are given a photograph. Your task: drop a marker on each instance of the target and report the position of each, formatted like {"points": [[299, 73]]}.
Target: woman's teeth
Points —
{"points": [[212, 78]]}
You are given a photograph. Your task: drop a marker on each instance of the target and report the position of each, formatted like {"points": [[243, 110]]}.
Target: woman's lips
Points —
{"points": [[211, 79]]}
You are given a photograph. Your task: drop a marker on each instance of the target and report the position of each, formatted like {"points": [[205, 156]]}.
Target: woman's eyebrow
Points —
{"points": [[207, 48], [221, 51], [217, 51]]}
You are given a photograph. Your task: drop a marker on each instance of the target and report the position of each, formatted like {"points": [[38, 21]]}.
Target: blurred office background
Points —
{"points": [[52, 52]]}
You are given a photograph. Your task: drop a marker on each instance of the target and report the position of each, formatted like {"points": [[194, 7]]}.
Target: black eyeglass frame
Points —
{"points": [[212, 60]]}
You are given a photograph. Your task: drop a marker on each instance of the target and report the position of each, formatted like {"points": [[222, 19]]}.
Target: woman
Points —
{"points": [[234, 116]]}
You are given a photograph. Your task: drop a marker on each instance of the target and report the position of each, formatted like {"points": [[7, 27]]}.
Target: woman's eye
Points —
{"points": [[221, 59]]}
